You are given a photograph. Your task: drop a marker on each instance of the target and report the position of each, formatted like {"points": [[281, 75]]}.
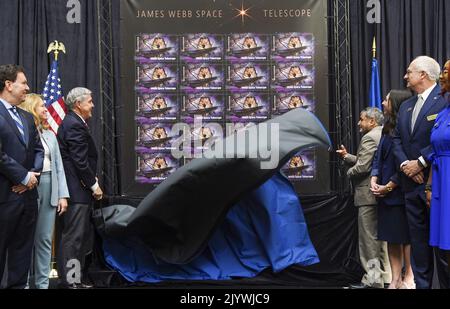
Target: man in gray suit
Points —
{"points": [[373, 253]]}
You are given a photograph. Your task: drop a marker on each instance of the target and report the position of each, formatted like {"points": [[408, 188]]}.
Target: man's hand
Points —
{"points": [[98, 194], [412, 168], [381, 191], [33, 182], [428, 194], [342, 151], [20, 189], [419, 178], [373, 183], [62, 206]]}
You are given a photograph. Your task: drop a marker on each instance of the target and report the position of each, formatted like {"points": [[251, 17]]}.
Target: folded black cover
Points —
{"points": [[177, 219]]}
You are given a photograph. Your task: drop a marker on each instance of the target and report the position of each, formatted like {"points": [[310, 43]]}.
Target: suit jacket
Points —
{"points": [[18, 157], [58, 177], [360, 172], [79, 156], [412, 145], [385, 167]]}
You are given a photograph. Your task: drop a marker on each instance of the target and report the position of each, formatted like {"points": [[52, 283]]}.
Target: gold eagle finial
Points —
{"points": [[56, 47]]}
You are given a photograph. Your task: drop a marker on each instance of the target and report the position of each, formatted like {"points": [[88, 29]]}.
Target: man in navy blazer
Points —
{"points": [[79, 155], [22, 157], [412, 147]]}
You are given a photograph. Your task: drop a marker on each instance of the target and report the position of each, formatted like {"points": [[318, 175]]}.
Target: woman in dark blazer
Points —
{"points": [[392, 221], [52, 189]]}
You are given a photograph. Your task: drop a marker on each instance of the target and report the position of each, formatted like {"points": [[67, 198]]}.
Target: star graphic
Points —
{"points": [[243, 12]]}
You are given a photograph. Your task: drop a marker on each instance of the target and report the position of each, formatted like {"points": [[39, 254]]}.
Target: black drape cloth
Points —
{"points": [[408, 28], [28, 26], [177, 219], [332, 225]]}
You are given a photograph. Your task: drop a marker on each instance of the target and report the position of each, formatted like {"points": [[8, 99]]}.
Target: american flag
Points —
{"points": [[53, 98]]}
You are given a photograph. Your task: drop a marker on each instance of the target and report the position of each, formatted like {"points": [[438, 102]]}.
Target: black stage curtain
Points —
{"points": [[28, 26], [408, 28]]}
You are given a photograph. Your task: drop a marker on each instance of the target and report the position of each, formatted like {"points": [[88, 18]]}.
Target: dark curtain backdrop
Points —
{"points": [[408, 28], [28, 26]]}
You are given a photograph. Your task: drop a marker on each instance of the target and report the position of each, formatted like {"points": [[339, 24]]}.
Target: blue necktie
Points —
{"points": [[18, 121]]}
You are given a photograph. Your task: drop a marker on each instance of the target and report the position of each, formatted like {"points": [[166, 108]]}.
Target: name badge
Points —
{"points": [[432, 117]]}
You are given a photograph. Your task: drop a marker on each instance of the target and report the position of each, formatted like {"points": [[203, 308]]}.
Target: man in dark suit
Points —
{"points": [[79, 155], [21, 160], [412, 147]]}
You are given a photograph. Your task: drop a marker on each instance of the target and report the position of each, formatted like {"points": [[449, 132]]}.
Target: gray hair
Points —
{"points": [[429, 66], [77, 94], [374, 113]]}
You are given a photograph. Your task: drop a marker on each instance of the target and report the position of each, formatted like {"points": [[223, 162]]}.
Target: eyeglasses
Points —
{"points": [[409, 72]]}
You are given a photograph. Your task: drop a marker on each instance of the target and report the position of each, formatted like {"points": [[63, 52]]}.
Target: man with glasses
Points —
{"points": [[412, 148], [79, 155]]}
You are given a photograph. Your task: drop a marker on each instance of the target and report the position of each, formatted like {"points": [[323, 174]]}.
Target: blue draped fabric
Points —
{"points": [[266, 229]]}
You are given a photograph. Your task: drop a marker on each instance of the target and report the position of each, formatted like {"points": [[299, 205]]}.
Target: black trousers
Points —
{"points": [[17, 225], [422, 255], [76, 233]]}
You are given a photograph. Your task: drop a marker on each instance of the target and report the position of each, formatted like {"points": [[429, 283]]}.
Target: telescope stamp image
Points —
{"points": [[153, 137], [248, 76], [293, 47], [292, 76], [247, 47], [202, 47], [156, 77], [208, 106], [301, 166], [248, 107], [287, 101], [155, 167], [156, 48], [157, 106], [202, 76]]}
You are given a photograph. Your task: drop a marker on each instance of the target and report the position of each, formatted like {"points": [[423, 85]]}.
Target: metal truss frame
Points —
{"points": [[340, 85], [109, 135]]}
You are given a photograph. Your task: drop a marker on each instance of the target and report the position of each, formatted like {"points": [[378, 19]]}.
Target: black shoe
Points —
{"points": [[72, 286], [79, 286], [358, 286], [85, 286]]}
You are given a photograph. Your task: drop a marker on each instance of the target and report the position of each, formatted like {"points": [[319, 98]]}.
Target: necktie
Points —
{"points": [[416, 111], [15, 116]]}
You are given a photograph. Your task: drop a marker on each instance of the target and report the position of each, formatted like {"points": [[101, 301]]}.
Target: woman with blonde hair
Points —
{"points": [[52, 189]]}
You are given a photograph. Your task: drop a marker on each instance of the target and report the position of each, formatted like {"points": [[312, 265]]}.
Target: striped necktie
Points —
{"points": [[15, 116]]}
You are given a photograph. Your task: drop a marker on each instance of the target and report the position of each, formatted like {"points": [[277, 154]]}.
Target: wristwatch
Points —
{"points": [[389, 188], [420, 163]]}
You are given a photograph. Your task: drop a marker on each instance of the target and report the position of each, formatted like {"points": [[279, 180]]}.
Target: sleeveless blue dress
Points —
{"points": [[440, 203], [266, 229]]}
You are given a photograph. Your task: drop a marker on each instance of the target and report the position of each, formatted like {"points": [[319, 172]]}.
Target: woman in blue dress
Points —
{"points": [[438, 186], [392, 222]]}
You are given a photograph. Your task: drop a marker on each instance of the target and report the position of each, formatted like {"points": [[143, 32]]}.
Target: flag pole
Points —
{"points": [[375, 88], [374, 47], [55, 47]]}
